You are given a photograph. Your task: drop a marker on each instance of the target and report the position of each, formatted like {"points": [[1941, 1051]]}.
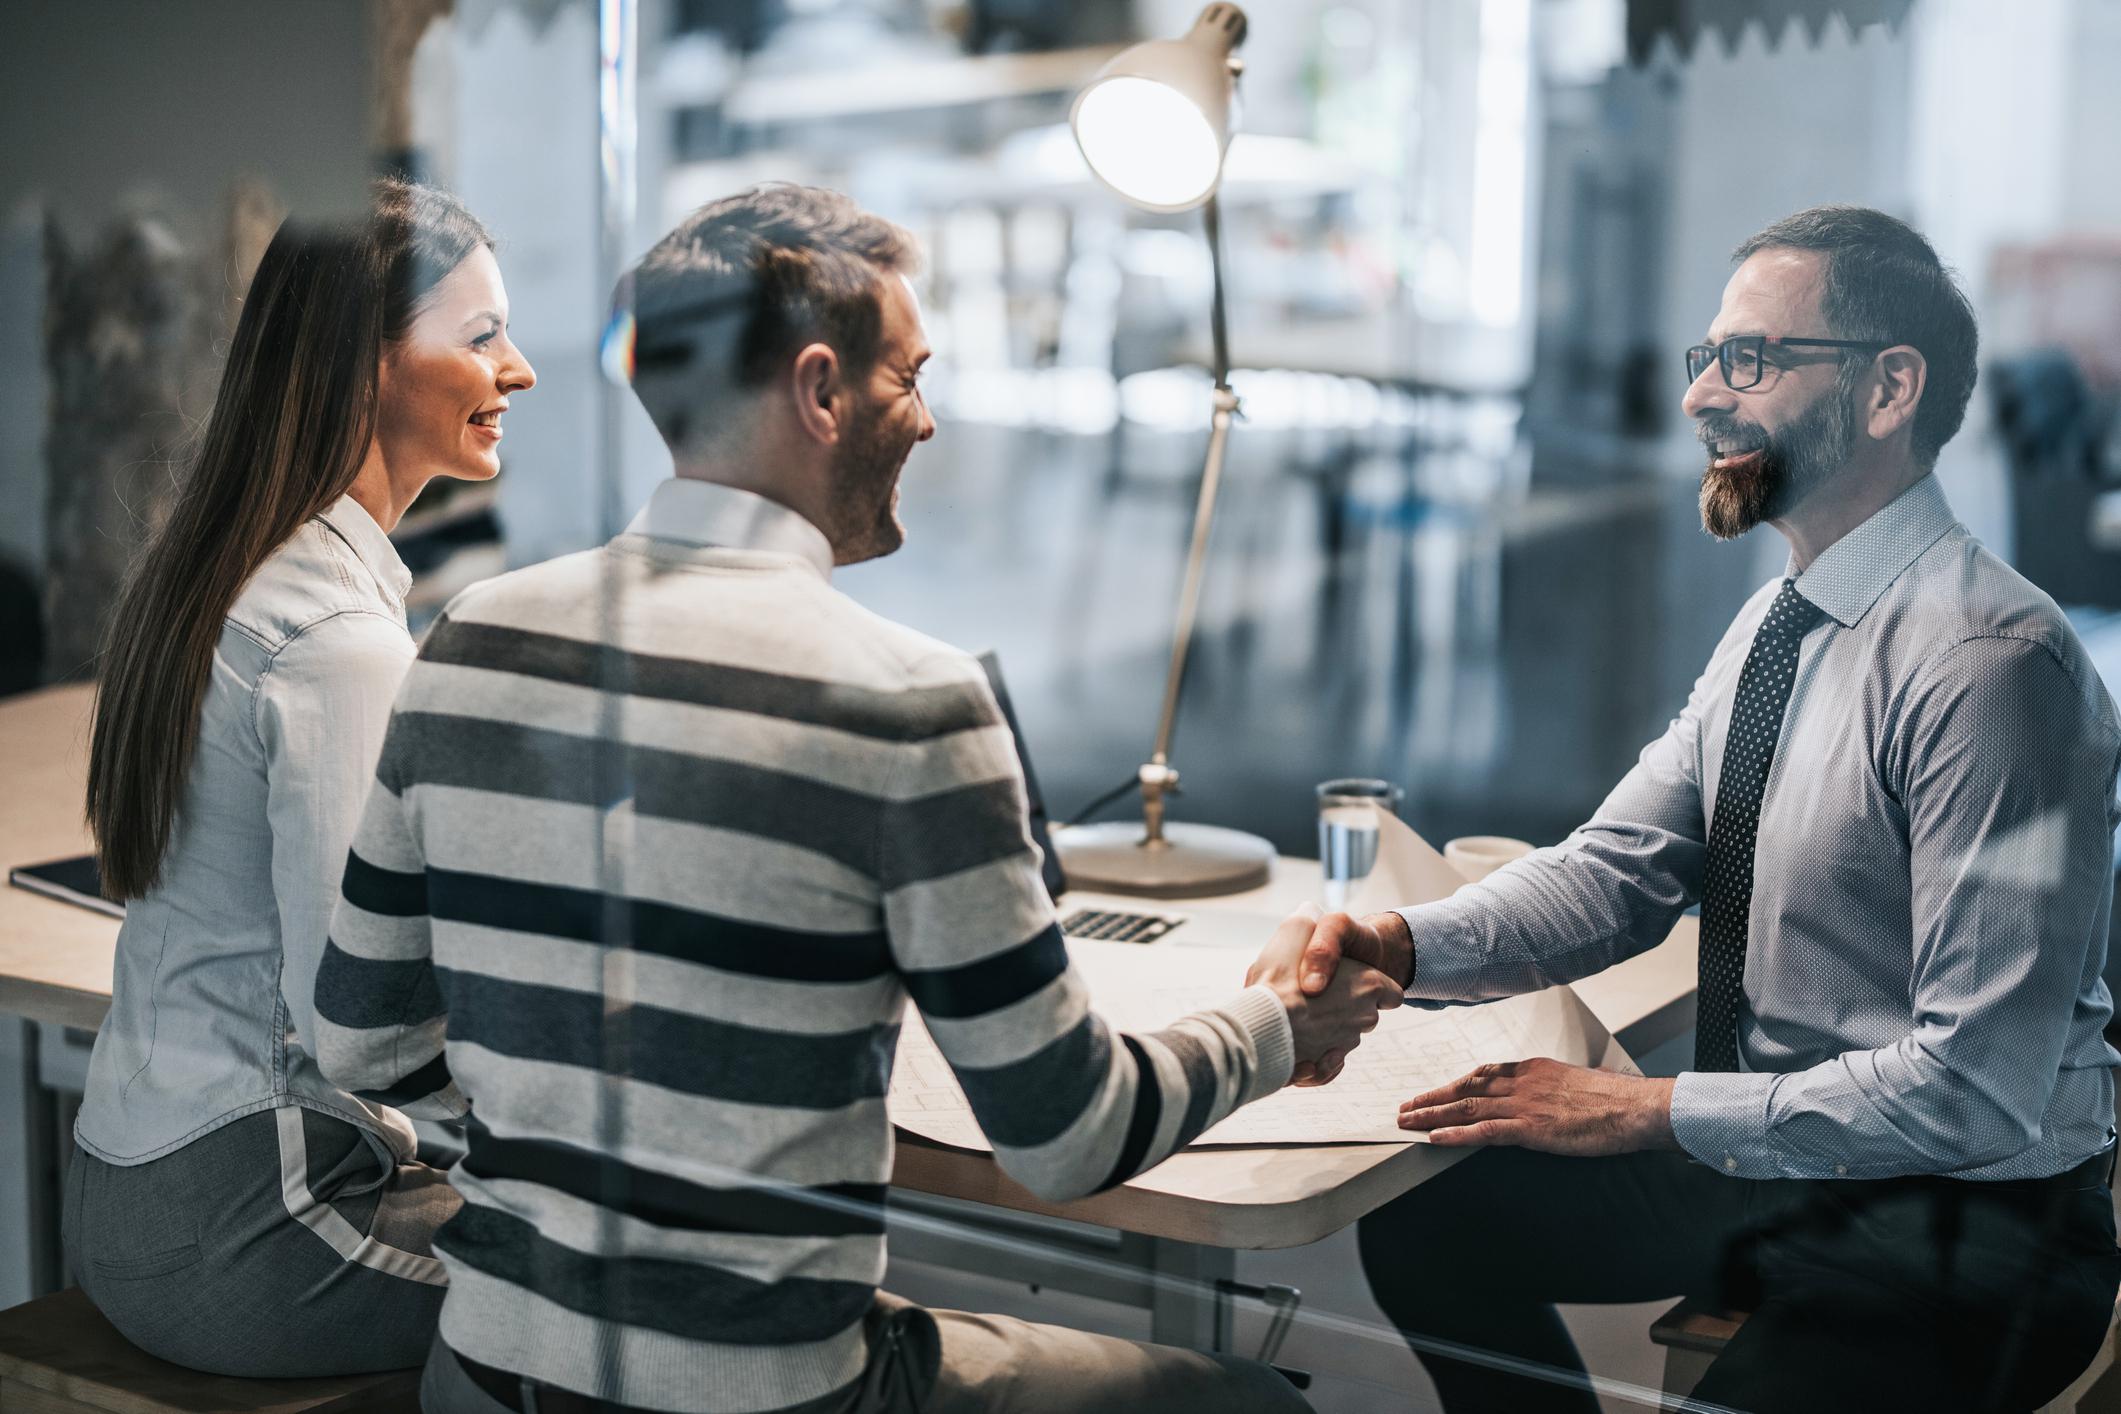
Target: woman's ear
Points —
{"points": [[1902, 375], [386, 374], [817, 385]]}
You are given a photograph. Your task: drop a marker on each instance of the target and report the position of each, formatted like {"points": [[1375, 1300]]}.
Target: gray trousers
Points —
{"points": [[285, 1243], [955, 1362]]}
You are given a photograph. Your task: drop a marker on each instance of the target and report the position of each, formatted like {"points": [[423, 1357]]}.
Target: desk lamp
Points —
{"points": [[1153, 125]]}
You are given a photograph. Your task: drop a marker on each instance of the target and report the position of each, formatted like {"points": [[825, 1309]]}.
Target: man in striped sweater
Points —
{"points": [[664, 834]]}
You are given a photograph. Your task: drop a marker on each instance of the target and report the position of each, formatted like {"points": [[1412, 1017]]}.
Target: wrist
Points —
{"points": [[1398, 940], [1656, 1115], [1264, 1016]]}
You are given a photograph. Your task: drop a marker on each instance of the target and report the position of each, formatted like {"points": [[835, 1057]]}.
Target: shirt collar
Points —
{"points": [[696, 512], [1851, 573], [351, 520]]}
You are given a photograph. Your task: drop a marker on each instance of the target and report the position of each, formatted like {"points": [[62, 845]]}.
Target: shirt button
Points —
{"points": [[1730, 1163], [1841, 1170]]}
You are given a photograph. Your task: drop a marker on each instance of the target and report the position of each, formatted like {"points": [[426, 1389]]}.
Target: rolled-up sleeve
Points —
{"points": [[2008, 783]]}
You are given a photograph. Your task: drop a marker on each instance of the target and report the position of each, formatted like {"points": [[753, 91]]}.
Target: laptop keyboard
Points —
{"points": [[1112, 927]]}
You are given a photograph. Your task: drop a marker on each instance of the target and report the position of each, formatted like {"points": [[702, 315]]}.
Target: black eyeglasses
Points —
{"points": [[1744, 356]]}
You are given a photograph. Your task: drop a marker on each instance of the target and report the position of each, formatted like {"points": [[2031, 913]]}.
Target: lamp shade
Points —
{"points": [[1155, 122]]}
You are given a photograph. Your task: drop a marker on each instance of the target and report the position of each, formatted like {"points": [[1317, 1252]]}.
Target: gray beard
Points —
{"points": [[1797, 461]]}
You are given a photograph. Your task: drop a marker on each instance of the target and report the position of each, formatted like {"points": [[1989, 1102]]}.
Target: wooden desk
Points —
{"points": [[1290, 1196], [55, 967], [55, 960], [1179, 1224]]}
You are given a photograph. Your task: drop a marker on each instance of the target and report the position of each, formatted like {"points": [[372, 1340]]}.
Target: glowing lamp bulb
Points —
{"points": [[1148, 142]]}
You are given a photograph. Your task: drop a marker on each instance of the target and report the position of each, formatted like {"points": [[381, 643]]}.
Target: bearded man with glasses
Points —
{"points": [[1892, 792]]}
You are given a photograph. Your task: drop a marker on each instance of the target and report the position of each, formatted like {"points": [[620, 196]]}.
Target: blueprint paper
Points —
{"points": [[1413, 1049]]}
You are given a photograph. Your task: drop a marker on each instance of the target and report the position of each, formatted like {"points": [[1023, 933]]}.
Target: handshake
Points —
{"points": [[1331, 1007], [1336, 973]]}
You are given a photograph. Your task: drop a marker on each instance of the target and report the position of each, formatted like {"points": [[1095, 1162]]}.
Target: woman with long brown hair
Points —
{"points": [[227, 1207]]}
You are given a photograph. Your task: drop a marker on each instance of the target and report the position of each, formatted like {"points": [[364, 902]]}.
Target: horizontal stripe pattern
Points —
{"points": [[654, 863], [993, 982], [690, 1136], [355, 991], [744, 1206], [746, 1065], [598, 1225], [511, 1327], [897, 843], [696, 989], [906, 714], [1010, 1033], [389, 892], [727, 944], [427, 1092], [692, 1300], [801, 748], [664, 861], [1030, 1102]]}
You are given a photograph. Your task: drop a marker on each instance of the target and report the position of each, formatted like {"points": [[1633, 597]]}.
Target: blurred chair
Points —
{"points": [[2058, 436], [1692, 1336], [21, 630]]}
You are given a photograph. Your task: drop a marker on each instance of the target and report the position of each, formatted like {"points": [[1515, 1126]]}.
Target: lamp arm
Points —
{"points": [[1196, 565], [1218, 329], [1157, 777]]}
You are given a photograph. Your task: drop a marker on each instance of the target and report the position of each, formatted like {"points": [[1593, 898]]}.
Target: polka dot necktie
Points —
{"points": [[1727, 877]]}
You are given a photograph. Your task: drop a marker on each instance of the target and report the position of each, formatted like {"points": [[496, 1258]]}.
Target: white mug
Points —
{"points": [[1477, 856]]}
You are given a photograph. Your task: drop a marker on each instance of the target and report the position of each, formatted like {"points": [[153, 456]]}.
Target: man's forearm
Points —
{"points": [[1608, 892]]}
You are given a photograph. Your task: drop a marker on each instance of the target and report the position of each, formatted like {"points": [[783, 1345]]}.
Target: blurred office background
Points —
{"points": [[1467, 241]]}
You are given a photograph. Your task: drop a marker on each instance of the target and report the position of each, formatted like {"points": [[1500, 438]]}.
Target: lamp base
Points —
{"points": [[1191, 861]]}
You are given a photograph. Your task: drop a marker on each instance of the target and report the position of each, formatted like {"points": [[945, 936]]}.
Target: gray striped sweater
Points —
{"points": [[663, 836]]}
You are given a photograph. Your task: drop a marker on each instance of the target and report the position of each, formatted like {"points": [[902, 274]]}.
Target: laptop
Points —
{"points": [[1118, 917]]}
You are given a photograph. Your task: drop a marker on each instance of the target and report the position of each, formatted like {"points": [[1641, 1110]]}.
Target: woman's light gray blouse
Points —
{"points": [[216, 965]]}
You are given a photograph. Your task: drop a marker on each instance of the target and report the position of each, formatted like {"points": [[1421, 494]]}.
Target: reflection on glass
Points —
{"points": [[1347, 831]]}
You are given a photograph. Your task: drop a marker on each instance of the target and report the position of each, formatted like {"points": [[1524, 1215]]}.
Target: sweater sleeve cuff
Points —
{"points": [[1447, 955], [1262, 1017], [1721, 1119]]}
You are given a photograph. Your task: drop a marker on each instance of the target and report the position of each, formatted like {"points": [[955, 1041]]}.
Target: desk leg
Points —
{"points": [[29, 1209], [1186, 1305], [1184, 1287]]}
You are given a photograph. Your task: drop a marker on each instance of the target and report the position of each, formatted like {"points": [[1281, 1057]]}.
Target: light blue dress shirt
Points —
{"points": [[213, 995], [1932, 878]]}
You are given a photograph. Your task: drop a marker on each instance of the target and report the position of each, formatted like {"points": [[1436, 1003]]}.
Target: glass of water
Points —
{"points": [[1347, 831]]}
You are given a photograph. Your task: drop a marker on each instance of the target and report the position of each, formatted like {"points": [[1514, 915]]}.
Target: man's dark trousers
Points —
{"points": [[1911, 1293]]}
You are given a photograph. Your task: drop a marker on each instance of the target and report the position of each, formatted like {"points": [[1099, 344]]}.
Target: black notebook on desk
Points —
{"points": [[74, 881]]}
